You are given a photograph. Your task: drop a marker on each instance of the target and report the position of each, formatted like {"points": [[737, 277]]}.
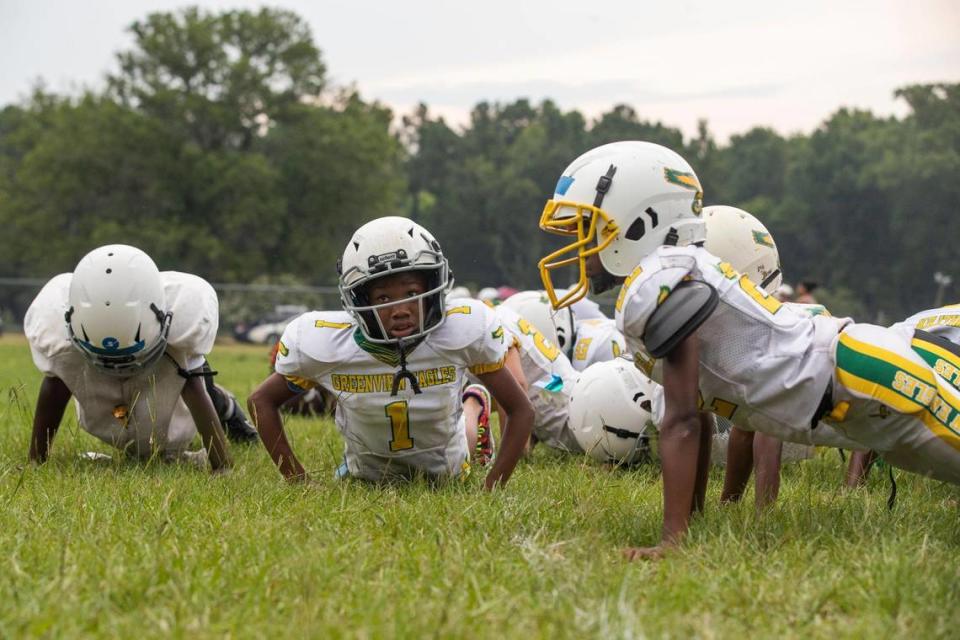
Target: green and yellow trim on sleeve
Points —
{"points": [[480, 369], [944, 362], [902, 385], [302, 384]]}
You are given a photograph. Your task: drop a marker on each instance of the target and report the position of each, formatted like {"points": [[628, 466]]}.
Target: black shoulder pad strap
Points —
{"points": [[684, 310]]}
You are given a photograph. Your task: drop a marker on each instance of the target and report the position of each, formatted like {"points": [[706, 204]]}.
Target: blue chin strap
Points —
{"points": [[127, 361], [110, 350]]}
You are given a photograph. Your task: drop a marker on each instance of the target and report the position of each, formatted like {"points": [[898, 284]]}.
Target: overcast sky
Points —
{"points": [[738, 64]]}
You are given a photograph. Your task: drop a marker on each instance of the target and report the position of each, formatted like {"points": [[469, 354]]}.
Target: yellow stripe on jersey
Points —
{"points": [[301, 383], [944, 362], [582, 348], [903, 385], [941, 320], [465, 310], [325, 324], [874, 390], [481, 369], [626, 285], [887, 356]]}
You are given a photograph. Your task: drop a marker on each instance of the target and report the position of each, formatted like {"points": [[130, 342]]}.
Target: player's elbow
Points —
{"points": [[521, 415], [681, 426], [258, 403]]}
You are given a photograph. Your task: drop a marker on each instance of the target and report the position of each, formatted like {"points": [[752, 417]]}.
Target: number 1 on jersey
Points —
{"points": [[399, 425]]}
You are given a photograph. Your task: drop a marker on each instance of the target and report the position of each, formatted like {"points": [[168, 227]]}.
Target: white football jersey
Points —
{"points": [[550, 379], [395, 436], [943, 321], [763, 365], [597, 340], [143, 412]]}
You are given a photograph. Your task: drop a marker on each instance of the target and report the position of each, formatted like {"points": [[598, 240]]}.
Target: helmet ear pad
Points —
{"points": [[433, 305]]}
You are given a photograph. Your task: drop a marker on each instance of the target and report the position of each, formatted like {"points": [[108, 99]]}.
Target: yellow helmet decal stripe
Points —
{"points": [[682, 179]]}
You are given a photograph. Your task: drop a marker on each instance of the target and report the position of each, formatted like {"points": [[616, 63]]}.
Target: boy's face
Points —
{"points": [[401, 319]]}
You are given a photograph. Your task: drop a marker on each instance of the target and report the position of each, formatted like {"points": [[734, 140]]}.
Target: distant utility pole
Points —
{"points": [[943, 281]]}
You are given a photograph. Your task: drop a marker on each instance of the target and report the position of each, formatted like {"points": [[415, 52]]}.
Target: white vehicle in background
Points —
{"points": [[269, 329]]}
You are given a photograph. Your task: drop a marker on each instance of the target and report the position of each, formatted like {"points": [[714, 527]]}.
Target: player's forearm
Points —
{"points": [[205, 417], [51, 403], [860, 463], [703, 462], [266, 416], [519, 424], [679, 452], [767, 452], [40, 442], [739, 465]]}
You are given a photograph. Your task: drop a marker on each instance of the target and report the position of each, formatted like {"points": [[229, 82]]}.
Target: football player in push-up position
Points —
{"points": [[738, 238], [633, 210], [396, 358], [129, 344]]}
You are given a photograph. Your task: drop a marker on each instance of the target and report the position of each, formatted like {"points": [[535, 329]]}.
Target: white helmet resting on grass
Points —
{"points": [[611, 412], [621, 201], [116, 315], [740, 239], [556, 326], [388, 246]]}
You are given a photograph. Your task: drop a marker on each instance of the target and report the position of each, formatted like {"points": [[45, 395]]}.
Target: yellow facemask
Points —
{"points": [[584, 224]]}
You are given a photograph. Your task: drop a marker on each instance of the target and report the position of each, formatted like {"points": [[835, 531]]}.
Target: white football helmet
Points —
{"points": [[459, 292], [388, 246], [490, 295], [739, 238], [556, 325], [116, 314], [621, 201], [611, 411]]}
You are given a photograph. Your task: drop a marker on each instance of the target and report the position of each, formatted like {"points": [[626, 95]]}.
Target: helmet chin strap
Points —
{"points": [[770, 278], [604, 281], [404, 373]]}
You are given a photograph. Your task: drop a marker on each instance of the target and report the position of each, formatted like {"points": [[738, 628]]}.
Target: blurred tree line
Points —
{"points": [[218, 147]]}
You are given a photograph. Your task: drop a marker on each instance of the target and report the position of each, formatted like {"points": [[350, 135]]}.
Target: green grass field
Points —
{"points": [[120, 549]]}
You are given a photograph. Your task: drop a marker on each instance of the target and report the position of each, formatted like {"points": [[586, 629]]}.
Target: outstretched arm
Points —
{"points": [[679, 445], [204, 415], [767, 452], [860, 463], [51, 403], [264, 405], [517, 427], [703, 462], [739, 465]]}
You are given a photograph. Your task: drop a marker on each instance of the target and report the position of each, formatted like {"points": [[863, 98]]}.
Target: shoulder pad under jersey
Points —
{"points": [[45, 325], [314, 343], [465, 322], [807, 309], [649, 284], [195, 309], [472, 335], [686, 307]]}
